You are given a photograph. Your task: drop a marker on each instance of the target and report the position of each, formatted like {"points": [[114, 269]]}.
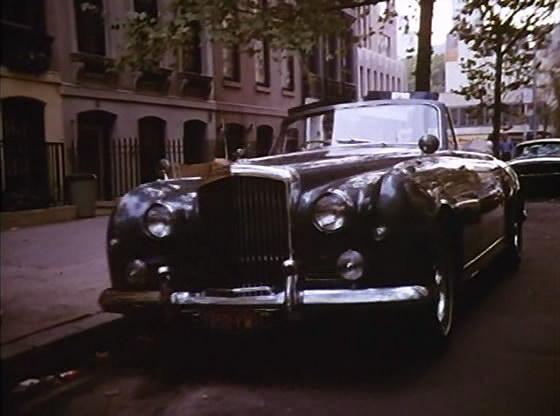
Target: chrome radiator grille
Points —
{"points": [[245, 221]]}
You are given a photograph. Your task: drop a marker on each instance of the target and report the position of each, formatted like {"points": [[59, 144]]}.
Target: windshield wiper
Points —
{"points": [[352, 141]]}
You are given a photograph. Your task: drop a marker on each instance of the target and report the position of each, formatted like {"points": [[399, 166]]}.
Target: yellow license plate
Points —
{"points": [[230, 319]]}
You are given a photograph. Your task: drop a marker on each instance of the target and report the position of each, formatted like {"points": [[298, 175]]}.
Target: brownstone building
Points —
{"points": [[118, 125]]}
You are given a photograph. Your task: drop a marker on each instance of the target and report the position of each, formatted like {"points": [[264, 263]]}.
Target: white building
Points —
{"points": [[378, 68]]}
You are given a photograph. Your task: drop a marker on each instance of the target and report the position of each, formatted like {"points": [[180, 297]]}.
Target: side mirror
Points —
{"points": [[428, 143], [165, 167]]}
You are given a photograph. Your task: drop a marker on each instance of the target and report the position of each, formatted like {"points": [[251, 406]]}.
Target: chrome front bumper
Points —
{"points": [[289, 300]]}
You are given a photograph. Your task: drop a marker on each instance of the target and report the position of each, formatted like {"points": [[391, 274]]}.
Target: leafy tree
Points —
{"points": [[503, 36]]}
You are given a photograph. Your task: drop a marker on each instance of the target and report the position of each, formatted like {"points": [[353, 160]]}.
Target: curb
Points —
{"points": [[56, 348]]}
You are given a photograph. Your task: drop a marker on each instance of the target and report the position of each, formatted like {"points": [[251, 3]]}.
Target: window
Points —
{"points": [[265, 136], [362, 82], [90, 26], [332, 57], [392, 83], [368, 80], [147, 6], [387, 86], [262, 55], [262, 63], [381, 81], [313, 60], [195, 146], [23, 136], [151, 138], [375, 80], [399, 84], [28, 13], [348, 58], [191, 55], [232, 70], [384, 45], [288, 71]]}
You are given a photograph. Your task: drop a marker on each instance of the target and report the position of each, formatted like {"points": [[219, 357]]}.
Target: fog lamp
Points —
{"points": [[137, 273], [350, 265]]}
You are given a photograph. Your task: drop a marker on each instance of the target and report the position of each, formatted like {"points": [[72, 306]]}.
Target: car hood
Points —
{"points": [[317, 167]]}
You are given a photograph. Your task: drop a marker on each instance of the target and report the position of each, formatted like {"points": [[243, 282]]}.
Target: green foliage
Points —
{"points": [[503, 36]]}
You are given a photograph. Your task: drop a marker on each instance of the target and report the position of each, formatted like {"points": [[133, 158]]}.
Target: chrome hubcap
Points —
{"points": [[516, 237], [441, 309]]}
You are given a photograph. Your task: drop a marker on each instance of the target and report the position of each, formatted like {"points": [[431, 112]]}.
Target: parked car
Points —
{"points": [[377, 208], [537, 163]]}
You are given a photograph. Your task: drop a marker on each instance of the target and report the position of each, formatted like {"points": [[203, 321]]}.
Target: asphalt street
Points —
{"points": [[503, 358]]}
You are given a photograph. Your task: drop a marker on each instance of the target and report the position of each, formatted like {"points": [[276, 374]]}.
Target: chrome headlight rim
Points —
{"points": [[345, 203], [169, 220]]}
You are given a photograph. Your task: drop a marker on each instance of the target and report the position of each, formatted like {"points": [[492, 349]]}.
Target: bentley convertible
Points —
{"points": [[378, 207]]}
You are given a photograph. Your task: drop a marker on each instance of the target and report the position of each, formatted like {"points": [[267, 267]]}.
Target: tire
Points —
{"points": [[514, 240], [439, 315]]}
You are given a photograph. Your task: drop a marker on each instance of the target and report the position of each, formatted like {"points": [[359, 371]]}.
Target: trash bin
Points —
{"points": [[82, 188]]}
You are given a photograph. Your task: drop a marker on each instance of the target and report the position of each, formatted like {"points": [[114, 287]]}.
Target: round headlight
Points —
{"points": [[158, 220], [330, 212]]}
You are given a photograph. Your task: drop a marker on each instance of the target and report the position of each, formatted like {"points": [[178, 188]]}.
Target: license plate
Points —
{"points": [[230, 319]]}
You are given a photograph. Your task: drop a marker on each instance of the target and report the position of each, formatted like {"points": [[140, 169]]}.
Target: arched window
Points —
{"points": [[265, 135], [292, 140], [194, 142], [234, 139], [25, 157], [151, 137]]}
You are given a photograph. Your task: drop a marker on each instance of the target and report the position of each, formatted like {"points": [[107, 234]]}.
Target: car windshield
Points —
{"points": [[383, 124], [539, 150]]}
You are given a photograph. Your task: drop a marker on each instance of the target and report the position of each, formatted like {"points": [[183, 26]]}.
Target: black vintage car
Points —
{"points": [[379, 208], [537, 163]]}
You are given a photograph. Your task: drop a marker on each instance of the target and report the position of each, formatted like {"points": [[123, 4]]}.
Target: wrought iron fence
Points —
{"points": [[32, 175], [127, 164], [56, 169]]}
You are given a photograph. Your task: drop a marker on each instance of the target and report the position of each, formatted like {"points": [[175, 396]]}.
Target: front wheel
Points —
{"points": [[514, 240], [438, 316]]}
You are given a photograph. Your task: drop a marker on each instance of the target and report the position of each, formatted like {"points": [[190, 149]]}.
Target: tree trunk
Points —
{"points": [[424, 59], [497, 116]]}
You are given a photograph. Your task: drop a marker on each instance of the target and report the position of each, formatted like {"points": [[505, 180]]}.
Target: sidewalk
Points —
{"points": [[51, 277]]}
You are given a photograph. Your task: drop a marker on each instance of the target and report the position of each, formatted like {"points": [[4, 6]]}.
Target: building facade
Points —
{"points": [[378, 68], [119, 124], [31, 146]]}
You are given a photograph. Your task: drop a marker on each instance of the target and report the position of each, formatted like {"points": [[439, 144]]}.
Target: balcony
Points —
{"points": [[156, 80], [312, 86], [90, 67], [195, 85], [329, 90], [25, 49]]}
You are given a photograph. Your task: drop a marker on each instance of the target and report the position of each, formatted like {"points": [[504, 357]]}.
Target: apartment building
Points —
{"points": [[118, 125]]}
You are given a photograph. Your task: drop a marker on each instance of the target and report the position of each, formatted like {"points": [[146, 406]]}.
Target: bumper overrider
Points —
{"points": [[261, 298]]}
